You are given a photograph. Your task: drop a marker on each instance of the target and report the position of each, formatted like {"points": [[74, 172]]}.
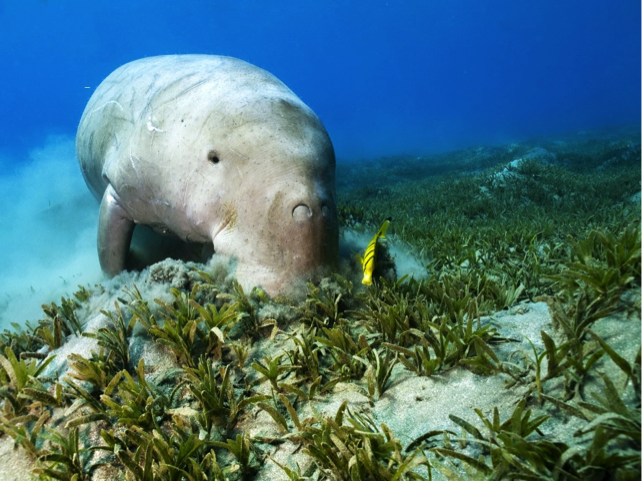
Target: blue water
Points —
{"points": [[413, 76]]}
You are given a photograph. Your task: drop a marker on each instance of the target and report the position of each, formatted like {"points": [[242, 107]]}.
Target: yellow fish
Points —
{"points": [[369, 257]]}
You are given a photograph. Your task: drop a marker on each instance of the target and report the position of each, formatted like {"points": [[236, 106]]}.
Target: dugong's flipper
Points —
{"points": [[115, 230]]}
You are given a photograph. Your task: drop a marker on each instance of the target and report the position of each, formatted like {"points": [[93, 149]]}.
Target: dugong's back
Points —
{"points": [[211, 149], [132, 96]]}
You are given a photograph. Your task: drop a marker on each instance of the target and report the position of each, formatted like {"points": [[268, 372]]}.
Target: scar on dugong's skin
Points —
{"points": [[211, 149]]}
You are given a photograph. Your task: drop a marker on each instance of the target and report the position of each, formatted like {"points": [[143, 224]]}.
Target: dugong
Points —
{"points": [[211, 149]]}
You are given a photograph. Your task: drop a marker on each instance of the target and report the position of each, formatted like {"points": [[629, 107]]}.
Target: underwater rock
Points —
{"points": [[211, 150], [540, 154], [636, 197], [507, 174]]}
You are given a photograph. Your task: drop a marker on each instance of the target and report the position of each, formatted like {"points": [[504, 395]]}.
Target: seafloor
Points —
{"points": [[501, 340]]}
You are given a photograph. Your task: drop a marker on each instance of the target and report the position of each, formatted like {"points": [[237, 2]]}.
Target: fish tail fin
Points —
{"points": [[384, 228]]}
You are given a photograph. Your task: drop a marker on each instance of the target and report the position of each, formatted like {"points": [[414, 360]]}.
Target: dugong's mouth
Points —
{"points": [[284, 247], [248, 271], [251, 275], [273, 281]]}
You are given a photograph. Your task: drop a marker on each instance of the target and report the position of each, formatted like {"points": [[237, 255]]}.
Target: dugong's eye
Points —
{"points": [[212, 156]]}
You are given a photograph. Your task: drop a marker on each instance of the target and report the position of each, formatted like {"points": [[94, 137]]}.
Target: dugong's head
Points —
{"points": [[260, 182], [275, 210]]}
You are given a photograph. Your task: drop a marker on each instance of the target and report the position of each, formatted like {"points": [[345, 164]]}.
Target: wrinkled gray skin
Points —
{"points": [[214, 150]]}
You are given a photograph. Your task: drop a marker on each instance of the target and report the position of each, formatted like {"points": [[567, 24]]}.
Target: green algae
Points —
{"points": [[562, 233]]}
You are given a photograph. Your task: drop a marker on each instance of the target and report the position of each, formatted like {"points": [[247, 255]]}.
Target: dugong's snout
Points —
{"points": [[304, 237], [299, 239], [314, 226]]}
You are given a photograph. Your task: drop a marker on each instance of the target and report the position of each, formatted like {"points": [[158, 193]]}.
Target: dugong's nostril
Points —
{"points": [[301, 212], [325, 210]]}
